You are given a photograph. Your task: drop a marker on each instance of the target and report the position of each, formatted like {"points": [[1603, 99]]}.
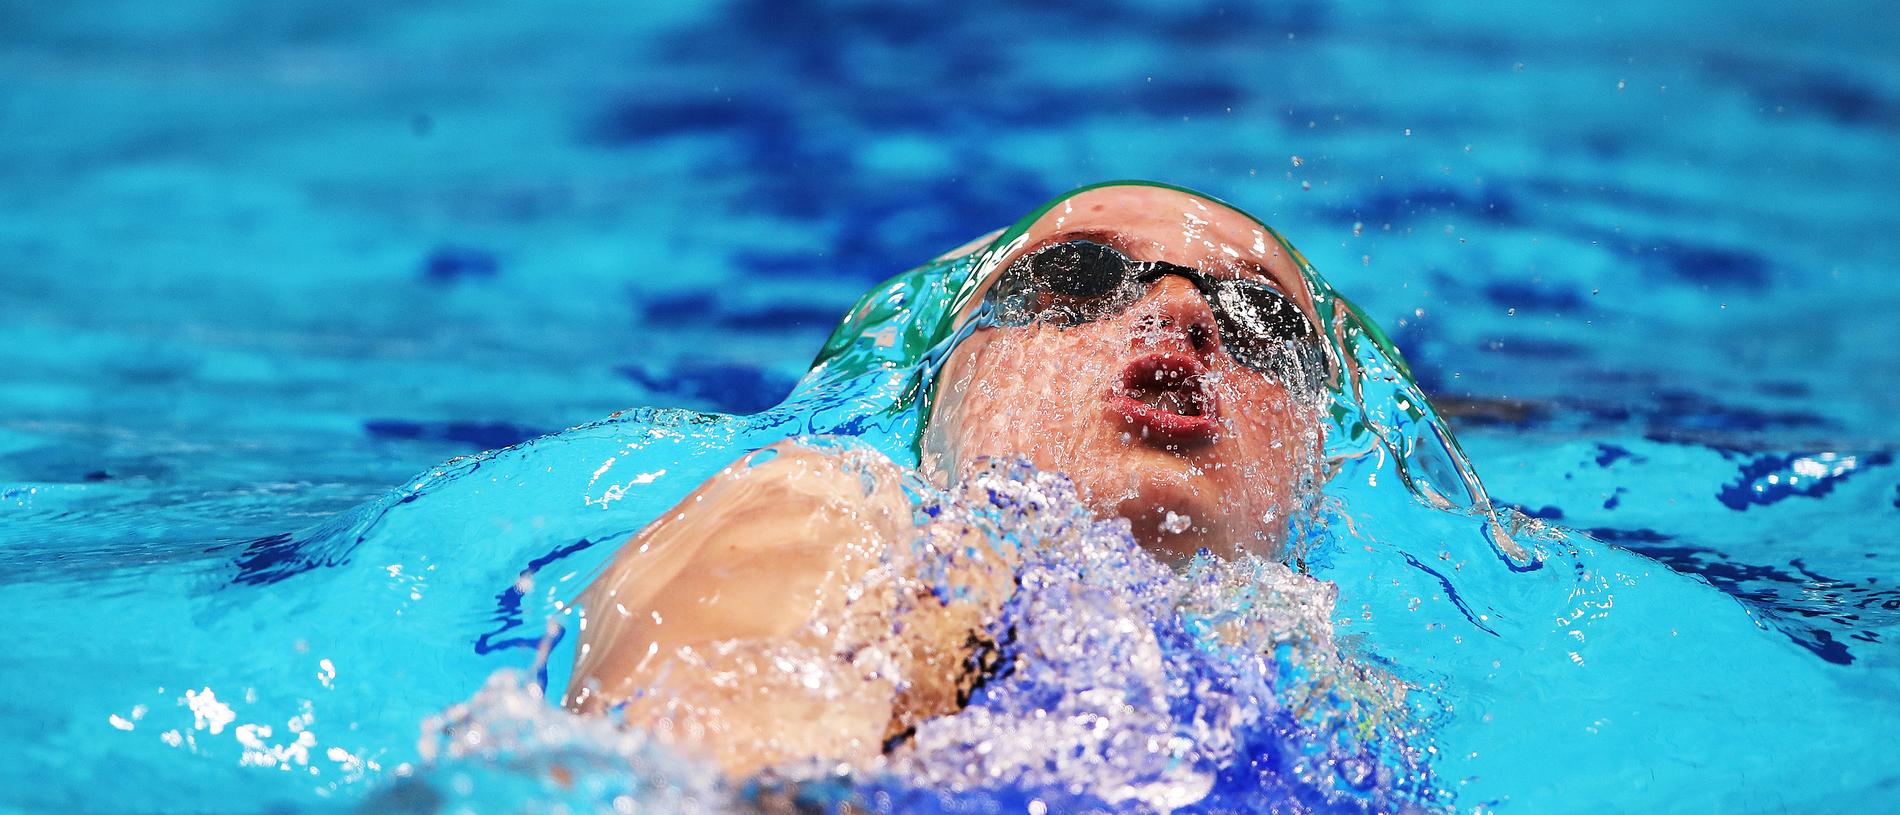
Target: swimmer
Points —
{"points": [[1158, 347]]}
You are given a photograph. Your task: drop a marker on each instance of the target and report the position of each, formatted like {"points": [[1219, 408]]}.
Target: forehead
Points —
{"points": [[1156, 223]]}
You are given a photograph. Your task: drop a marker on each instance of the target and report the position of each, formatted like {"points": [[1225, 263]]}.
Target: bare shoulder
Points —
{"points": [[797, 480], [762, 558], [802, 553], [756, 551]]}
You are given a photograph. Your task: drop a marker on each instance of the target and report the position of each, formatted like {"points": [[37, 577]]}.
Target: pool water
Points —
{"points": [[261, 267]]}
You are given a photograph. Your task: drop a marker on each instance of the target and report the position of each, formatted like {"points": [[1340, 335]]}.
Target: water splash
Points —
{"points": [[1108, 679], [507, 749], [1218, 688]]}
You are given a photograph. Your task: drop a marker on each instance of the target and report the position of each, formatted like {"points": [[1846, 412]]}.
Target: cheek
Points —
{"points": [[1273, 443], [1267, 424], [1035, 393]]}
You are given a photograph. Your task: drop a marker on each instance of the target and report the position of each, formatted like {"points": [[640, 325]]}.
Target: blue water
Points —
{"points": [[260, 265]]}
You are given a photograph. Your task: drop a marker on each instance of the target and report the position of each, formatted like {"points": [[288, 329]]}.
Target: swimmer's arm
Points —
{"points": [[759, 553]]}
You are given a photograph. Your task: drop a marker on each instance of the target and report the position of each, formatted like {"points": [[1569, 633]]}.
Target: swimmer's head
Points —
{"points": [[1158, 346]]}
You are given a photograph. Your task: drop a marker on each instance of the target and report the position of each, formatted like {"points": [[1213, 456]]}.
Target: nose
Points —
{"points": [[1174, 308]]}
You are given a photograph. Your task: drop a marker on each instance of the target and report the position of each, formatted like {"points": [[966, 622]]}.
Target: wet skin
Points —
{"points": [[1091, 400]]}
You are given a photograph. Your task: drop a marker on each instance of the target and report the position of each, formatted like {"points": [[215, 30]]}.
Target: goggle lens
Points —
{"points": [[1082, 281]]}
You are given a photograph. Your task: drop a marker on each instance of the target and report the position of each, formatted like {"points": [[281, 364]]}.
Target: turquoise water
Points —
{"points": [[262, 266]]}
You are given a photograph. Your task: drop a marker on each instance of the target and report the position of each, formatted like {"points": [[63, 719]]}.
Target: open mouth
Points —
{"points": [[1167, 395]]}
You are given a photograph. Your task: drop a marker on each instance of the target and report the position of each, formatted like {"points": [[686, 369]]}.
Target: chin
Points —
{"points": [[1199, 520]]}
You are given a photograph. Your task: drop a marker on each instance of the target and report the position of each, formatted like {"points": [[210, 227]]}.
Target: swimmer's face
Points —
{"points": [[1146, 407]]}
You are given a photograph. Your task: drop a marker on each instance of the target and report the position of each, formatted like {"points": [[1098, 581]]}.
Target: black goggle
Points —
{"points": [[1080, 281]]}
